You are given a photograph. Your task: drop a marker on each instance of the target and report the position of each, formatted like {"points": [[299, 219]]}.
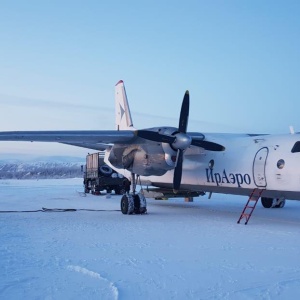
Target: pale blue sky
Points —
{"points": [[60, 61]]}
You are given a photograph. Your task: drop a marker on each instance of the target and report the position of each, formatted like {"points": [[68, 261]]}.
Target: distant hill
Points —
{"points": [[16, 158], [30, 167]]}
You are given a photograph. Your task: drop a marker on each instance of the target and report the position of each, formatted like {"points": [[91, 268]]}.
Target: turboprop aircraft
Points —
{"points": [[254, 165]]}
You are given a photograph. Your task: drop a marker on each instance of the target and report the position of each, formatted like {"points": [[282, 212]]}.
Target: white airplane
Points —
{"points": [[172, 158]]}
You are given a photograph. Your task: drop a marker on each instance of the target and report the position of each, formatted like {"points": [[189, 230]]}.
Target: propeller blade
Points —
{"points": [[178, 171], [155, 136], [208, 145], [184, 113]]}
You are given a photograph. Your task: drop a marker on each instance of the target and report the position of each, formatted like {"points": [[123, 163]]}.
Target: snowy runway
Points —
{"points": [[178, 251]]}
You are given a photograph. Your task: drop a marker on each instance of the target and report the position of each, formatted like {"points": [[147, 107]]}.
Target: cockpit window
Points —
{"points": [[296, 147]]}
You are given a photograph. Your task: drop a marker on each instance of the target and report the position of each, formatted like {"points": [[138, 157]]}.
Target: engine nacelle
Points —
{"points": [[146, 159]]}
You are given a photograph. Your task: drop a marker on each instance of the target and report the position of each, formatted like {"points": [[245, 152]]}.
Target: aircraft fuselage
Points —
{"points": [[249, 161]]}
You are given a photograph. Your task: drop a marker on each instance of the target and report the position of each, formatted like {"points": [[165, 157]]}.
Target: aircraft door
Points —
{"points": [[259, 167]]}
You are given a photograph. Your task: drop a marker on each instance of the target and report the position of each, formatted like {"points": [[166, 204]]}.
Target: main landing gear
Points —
{"points": [[133, 203], [272, 203]]}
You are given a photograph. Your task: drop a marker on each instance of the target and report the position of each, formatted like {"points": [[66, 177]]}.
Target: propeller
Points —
{"points": [[180, 140], [208, 145], [184, 113], [178, 171], [183, 141], [155, 136]]}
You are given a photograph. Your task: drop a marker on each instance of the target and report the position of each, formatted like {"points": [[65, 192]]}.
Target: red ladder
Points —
{"points": [[250, 205]]}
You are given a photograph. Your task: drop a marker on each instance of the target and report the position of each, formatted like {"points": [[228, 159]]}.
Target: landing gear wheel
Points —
{"points": [[267, 202], [127, 205], [272, 203], [281, 204], [140, 205], [133, 204], [136, 200]]}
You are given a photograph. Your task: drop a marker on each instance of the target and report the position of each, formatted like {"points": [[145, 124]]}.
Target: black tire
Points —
{"points": [[137, 204], [127, 205], [87, 186], [106, 170], [124, 205], [93, 187], [267, 202]]}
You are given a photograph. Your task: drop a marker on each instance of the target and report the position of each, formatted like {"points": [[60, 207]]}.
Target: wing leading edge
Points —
{"points": [[91, 139]]}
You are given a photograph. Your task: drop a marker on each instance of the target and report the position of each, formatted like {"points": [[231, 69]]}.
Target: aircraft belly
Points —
{"points": [[289, 195]]}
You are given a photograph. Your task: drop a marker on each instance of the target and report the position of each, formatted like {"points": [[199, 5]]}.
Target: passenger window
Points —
{"points": [[296, 147]]}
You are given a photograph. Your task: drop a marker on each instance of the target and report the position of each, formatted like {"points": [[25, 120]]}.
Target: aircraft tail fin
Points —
{"points": [[123, 115]]}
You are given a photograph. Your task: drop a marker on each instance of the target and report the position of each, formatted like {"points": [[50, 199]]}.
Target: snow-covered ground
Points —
{"points": [[177, 251]]}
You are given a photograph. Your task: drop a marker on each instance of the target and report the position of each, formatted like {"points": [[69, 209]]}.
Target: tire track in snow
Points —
{"points": [[92, 274]]}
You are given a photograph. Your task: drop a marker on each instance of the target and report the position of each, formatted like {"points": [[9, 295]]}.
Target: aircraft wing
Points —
{"points": [[91, 139]]}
